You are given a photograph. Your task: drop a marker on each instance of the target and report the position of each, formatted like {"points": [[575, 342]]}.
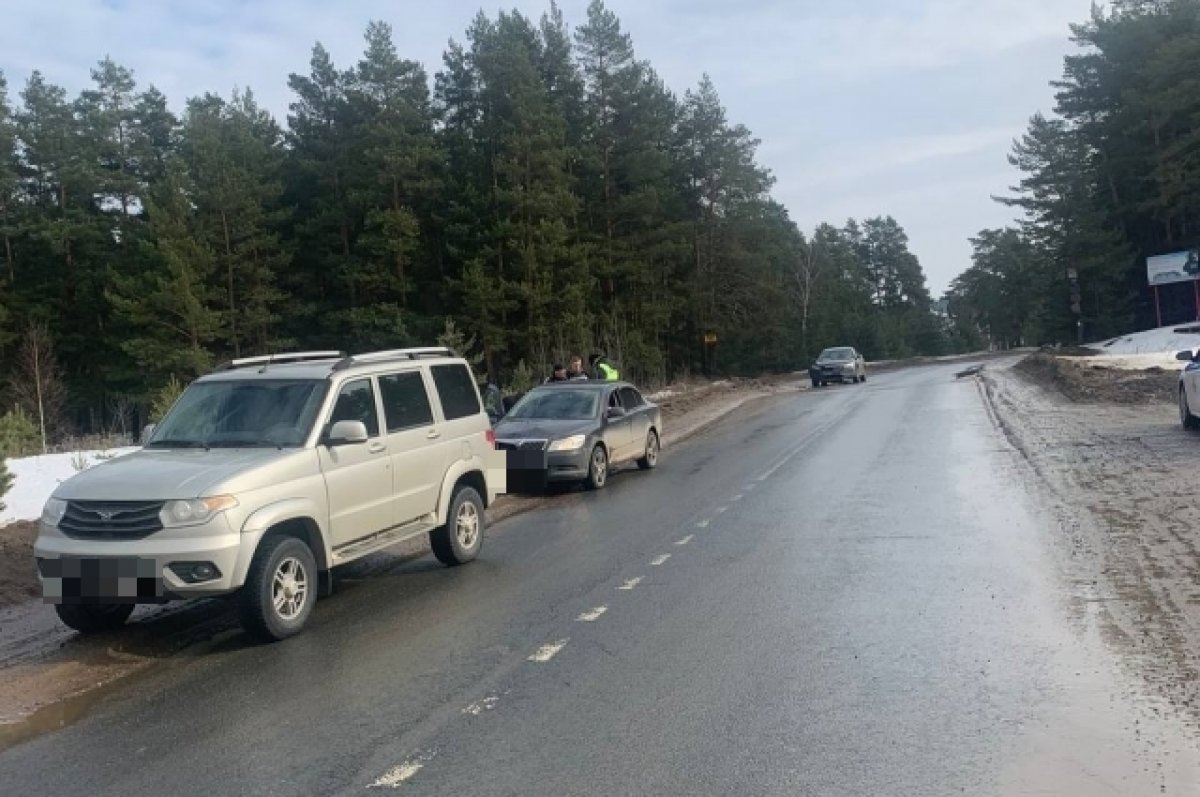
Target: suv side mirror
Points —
{"points": [[1185, 356], [347, 432], [615, 413], [148, 430]]}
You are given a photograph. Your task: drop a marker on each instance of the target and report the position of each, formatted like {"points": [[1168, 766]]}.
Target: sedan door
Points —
{"points": [[358, 476], [639, 421], [618, 431]]}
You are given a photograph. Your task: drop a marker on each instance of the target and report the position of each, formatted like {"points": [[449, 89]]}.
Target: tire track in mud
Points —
{"points": [[1122, 483]]}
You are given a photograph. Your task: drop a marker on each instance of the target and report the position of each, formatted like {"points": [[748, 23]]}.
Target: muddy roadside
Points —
{"points": [[1107, 444], [50, 676]]}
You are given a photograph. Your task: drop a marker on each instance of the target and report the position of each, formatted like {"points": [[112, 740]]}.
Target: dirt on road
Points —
{"points": [[1109, 447], [18, 576], [1085, 380]]}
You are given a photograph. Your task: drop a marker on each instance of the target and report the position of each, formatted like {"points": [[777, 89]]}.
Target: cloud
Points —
{"points": [[865, 107]]}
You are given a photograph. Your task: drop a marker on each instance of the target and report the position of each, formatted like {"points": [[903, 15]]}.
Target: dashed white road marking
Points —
{"points": [[737, 497], [630, 583], [703, 524], [548, 651], [658, 560], [487, 704], [395, 777], [592, 615], [722, 509], [750, 486], [685, 540]]}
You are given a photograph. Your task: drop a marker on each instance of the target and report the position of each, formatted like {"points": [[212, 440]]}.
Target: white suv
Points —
{"points": [[265, 475]]}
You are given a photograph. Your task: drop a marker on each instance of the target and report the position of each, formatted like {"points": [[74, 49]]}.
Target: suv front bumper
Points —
{"points": [[139, 571]]}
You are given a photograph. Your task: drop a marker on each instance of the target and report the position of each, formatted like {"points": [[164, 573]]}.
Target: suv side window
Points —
{"points": [[614, 399], [405, 402], [631, 398], [456, 389], [356, 402]]}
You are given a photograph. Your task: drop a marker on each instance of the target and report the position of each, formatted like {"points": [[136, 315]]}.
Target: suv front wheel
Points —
{"points": [[459, 541], [280, 589]]}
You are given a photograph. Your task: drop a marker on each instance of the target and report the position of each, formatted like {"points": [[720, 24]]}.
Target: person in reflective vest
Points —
{"points": [[603, 370]]}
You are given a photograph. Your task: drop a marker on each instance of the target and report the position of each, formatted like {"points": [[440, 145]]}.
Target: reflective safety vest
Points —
{"points": [[607, 372]]}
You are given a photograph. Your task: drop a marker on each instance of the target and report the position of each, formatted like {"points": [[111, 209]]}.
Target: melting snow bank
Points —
{"points": [[1164, 340], [35, 478]]}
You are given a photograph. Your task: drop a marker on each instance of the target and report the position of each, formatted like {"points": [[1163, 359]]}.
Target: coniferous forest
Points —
{"points": [[541, 193]]}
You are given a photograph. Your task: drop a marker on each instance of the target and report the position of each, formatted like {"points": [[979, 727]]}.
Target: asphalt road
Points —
{"points": [[851, 591]]}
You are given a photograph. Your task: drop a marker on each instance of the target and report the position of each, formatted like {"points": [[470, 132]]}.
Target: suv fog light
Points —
{"points": [[195, 572]]}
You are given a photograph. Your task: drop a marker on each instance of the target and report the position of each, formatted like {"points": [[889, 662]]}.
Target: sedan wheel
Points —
{"points": [[650, 460], [597, 469], [1189, 421]]}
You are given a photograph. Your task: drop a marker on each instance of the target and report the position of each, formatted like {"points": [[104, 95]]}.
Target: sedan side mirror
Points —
{"points": [[147, 431], [347, 433], [616, 412], [1185, 356]]}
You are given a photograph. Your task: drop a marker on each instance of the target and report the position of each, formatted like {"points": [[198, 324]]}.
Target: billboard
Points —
{"points": [[1175, 267]]}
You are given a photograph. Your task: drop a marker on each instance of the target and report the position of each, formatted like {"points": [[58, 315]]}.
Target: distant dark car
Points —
{"points": [[577, 432], [839, 364]]}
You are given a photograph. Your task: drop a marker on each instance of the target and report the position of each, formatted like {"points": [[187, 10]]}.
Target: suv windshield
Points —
{"points": [[836, 355], [557, 405], [241, 413]]}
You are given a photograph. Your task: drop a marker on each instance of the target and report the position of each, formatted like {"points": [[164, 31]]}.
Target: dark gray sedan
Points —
{"points": [[577, 432]]}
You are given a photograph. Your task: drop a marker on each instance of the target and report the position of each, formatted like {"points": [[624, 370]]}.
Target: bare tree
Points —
{"points": [[37, 383], [804, 270]]}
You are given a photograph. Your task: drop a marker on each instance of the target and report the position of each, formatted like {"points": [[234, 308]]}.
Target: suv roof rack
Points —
{"points": [[283, 357], [391, 355]]}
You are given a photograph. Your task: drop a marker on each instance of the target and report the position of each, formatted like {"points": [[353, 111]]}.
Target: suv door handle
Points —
{"points": [[376, 448], [434, 434]]}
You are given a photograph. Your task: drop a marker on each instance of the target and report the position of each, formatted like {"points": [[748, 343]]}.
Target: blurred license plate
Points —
{"points": [[125, 579], [526, 459]]}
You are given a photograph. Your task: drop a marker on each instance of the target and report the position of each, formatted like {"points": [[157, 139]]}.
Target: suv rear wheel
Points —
{"points": [[280, 589], [92, 618], [459, 541]]}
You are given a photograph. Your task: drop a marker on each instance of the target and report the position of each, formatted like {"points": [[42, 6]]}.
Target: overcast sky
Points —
{"points": [[864, 107]]}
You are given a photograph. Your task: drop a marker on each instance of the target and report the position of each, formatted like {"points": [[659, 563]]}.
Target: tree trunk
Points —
{"points": [[233, 332]]}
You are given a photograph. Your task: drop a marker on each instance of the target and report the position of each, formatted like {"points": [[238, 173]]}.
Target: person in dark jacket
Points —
{"points": [[558, 374], [575, 370]]}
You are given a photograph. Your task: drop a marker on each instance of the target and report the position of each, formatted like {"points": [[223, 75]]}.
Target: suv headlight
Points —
{"points": [[572, 443], [194, 511], [53, 511]]}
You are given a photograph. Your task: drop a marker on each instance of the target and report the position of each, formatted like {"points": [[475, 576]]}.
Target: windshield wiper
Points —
{"points": [[177, 444]]}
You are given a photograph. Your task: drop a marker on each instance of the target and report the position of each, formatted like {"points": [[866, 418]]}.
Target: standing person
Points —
{"points": [[575, 369], [603, 369], [559, 374]]}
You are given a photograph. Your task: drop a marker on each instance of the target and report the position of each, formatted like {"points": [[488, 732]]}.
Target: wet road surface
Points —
{"points": [[853, 591]]}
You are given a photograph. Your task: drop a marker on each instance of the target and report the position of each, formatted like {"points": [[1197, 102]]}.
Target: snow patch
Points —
{"points": [[35, 478], [1164, 340]]}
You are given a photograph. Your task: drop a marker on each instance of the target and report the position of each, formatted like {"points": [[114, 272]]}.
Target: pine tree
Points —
{"points": [[170, 310], [234, 157]]}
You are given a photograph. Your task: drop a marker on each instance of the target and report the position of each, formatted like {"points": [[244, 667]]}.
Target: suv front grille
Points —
{"points": [[111, 520]]}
